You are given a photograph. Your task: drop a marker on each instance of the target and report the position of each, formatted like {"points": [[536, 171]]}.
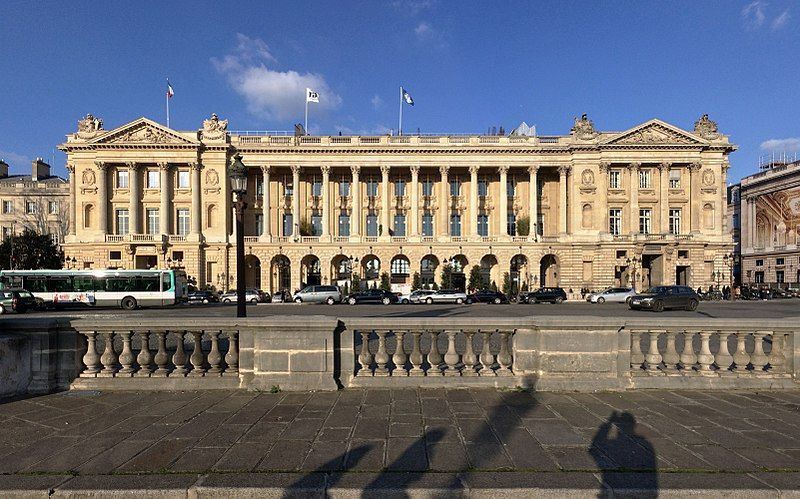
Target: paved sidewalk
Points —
{"points": [[469, 442]]}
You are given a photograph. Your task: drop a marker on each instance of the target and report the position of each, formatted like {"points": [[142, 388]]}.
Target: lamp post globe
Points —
{"points": [[237, 174]]}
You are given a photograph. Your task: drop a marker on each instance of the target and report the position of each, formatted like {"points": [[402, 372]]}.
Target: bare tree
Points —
{"points": [[41, 217]]}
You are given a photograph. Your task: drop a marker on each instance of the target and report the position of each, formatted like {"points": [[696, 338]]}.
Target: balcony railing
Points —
{"points": [[250, 239], [177, 238], [267, 138]]}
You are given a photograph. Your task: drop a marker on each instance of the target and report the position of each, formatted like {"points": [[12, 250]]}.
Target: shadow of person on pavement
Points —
{"points": [[326, 475], [635, 471], [405, 470]]}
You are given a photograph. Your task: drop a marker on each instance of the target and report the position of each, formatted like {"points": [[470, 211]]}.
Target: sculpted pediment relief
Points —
{"points": [[655, 132], [143, 131]]}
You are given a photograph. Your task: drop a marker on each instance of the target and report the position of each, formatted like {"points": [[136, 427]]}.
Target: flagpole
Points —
{"points": [[306, 122], [400, 122], [166, 96]]}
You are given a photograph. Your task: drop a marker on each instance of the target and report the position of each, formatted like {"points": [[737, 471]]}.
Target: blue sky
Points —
{"points": [[469, 65]]}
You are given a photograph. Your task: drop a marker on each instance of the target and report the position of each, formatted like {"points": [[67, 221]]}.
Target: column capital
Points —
{"points": [[385, 169], [533, 169], [473, 169], [443, 170], [665, 165], [296, 169], [503, 169], [102, 166], [634, 166], [414, 170], [564, 170], [163, 166], [325, 169], [71, 168], [196, 166], [355, 169], [132, 165], [695, 167], [725, 165], [604, 166], [265, 169]]}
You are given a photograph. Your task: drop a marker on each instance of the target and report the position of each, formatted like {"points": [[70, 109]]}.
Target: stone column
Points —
{"points": [[663, 199], [266, 228], [196, 217], [473, 200], [503, 200], [73, 199], [533, 198], [563, 172], [102, 194], [753, 229], [355, 193], [295, 201], [326, 178], [385, 202], [444, 204], [166, 190], [723, 197], [134, 203], [414, 200], [602, 198], [693, 217], [633, 216]]}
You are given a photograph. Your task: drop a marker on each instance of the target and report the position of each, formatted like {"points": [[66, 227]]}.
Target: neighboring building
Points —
{"points": [[735, 225], [602, 207], [39, 202], [770, 207]]}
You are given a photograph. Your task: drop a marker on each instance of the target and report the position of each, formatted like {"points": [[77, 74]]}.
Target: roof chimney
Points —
{"points": [[3, 169], [39, 169]]}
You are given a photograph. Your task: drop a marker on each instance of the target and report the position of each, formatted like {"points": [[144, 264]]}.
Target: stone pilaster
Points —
{"points": [[102, 194], [166, 195], [266, 229], [295, 201], [355, 193], [385, 219], [533, 198], [73, 204], [694, 205], [502, 200], [663, 199], [473, 200], [196, 217], [600, 220], [563, 175], [414, 201], [444, 204], [326, 177], [135, 205], [633, 215]]}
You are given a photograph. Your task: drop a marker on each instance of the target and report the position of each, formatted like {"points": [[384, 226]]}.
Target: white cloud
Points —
{"points": [[424, 31], [269, 93], [376, 101], [780, 21], [791, 144], [14, 160], [753, 14]]}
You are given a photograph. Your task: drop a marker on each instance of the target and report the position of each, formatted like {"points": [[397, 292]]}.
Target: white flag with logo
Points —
{"points": [[312, 96]]}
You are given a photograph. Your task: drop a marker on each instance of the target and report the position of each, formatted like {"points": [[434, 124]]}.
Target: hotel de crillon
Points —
{"points": [[587, 209]]}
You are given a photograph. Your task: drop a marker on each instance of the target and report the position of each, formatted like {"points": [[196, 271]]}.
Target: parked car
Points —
{"points": [[487, 296], [281, 297], [319, 294], [250, 295], [447, 296], [16, 300], [373, 296], [552, 295], [202, 297], [615, 295], [659, 298], [417, 296]]}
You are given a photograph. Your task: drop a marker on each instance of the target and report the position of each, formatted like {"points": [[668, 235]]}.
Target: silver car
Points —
{"points": [[447, 296], [615, 295], [417, 296], [319, 294]]}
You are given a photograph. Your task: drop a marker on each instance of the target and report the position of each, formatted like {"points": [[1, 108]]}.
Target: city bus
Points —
{"points": [[128, 289]]}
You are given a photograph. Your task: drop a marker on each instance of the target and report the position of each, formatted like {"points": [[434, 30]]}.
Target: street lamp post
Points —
{"points": [[728, 258], [632, 262], [238, 179]]}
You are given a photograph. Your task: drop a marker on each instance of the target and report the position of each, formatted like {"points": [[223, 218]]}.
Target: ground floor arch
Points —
{"points": [[280, 274], [310, 271], [519, 274], [428, 266], [489, 272], [370, 267], [252, 272], [549, 270]]}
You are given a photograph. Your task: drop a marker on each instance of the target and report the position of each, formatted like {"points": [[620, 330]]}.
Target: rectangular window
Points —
{"points": [[259, 187], [372, 187], [511, 187], [674, 221], [6, 232], [759, 263], [455, 225], [483, 224], [455, 187], [288, 224], [153, 179], [400, 225], [115, 255], [122, 179], [344, 187], [427, 187], [645, 221], [316, 187], [182, 221], [511, 224], [645, 179], [183, 179], [30, 207], [8, 206], [122, 221], [779, 261], [427, 224], [52, 207], [615, 221], [316, 223], [344, 225], [288, 187], [153, 221], [372, 224], [614, 177], [483, 187], [259, 223], [399, 187], [779, 276], [674, 179], [540, 224], [736, 221]]}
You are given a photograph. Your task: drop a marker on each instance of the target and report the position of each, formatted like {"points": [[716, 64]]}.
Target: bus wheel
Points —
{"points": [[128, 303]]}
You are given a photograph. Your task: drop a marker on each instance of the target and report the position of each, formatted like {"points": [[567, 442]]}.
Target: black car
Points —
{"points": [[202, 297], [16, 300], [487, 296], [372, 296], [659, 298], [552, 295]]}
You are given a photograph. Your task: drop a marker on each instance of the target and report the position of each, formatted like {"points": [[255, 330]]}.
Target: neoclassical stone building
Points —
{"points": [[586, 209]]}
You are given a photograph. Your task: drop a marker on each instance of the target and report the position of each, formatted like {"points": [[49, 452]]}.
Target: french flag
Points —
{"points": [[170, 92]]}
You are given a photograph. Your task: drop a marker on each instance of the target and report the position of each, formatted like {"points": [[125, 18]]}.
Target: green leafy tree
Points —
{"points": [[475, 278], [385, 283], [30, 251], [356, 283], [506, 283], [416, 282], [524, 226], [447, 276]]}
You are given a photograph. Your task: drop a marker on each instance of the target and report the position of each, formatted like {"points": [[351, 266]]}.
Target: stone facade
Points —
{"points": [[647, 204]]}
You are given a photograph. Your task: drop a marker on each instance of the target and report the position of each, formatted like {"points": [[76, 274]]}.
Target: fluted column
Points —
{"points": [[563, 172], [473, 200], [102, 194], [722, 213], [533, 199], [753, 221], [663, 200], [355, 192], [601, 218], [633, 216], [197, 209], [134, 205], [73, 209], [266, 227], [502, 199], [414, 200], [326, 178], [444, 204], [166, 190], [295, 201], [385, 201]]}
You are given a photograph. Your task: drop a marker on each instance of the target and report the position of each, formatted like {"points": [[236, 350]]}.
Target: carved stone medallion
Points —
{"points": [[88, 177], [708, 177], [212, 177]]}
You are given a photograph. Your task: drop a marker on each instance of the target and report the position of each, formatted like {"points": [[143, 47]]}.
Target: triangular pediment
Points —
{"points": [[143, 132], [654, 132]]}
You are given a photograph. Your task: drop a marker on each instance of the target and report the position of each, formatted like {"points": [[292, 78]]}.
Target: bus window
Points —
{"points": [[83, 283], [59, 284], [166, 282], [35, 284]]}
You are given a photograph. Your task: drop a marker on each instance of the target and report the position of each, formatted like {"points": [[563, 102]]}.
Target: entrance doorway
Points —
{"points": [[281, 274], [458, 278], [549, 271], [682, 275], [652, 271], [252, 272], [146, 261]]}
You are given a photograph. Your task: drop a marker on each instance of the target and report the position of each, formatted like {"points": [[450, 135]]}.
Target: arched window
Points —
{"points": [[708, 216], [87, 215], [211, 216], [586, 216], [400, 266]]}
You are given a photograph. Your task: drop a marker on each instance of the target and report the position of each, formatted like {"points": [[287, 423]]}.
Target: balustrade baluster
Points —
{"points": [[232, 357], [469, 358], [109, 357], [381, 356], [365, 357], [91, 359], [759, 359], [486, 357], [688, 357], [671, 357], [399, 358], [162, 357], [145, 358], [723, 359], [434, 357], [179, 358], [777, 359], [637, 357], [416, 355], [704, 358], [126, 355], [451, 357], [214, 356], [741, 358], [504, 357], [653, 357], [197, 359]]}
